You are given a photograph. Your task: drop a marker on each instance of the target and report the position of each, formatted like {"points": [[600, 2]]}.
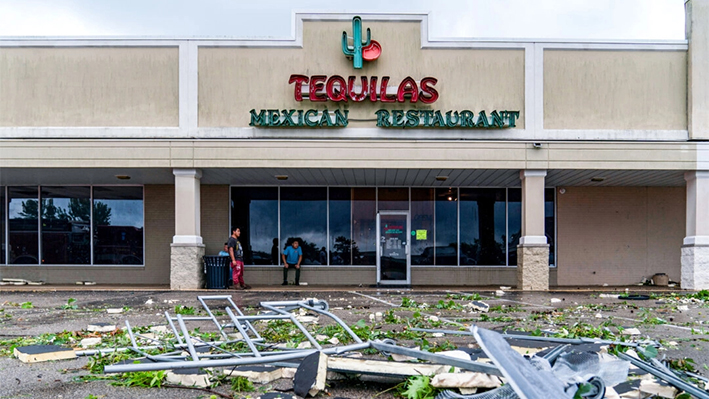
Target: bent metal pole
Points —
{"points": [[127, 368]]}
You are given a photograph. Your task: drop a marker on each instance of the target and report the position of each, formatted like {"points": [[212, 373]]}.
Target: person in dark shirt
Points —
{"points": [[236, 253]]}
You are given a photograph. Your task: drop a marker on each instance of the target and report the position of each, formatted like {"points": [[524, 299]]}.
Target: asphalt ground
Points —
{"points": [[671, 317]]}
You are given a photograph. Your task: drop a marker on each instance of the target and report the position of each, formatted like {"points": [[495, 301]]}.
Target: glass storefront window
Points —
{"points": [[393, 199], [422, 226], [3, 252], [514, 223], [482, 226], [364, 226], [255, 211], [304, 217], [340, 225], [446, 250], [549, 225], [66, 225], [23, 212], [118, 225]]}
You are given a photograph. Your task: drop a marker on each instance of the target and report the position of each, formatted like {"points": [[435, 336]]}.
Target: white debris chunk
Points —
{"points": [[304, 345], [631, 331], [158, 329], [683, 308], [90, 342], [334, 341], [101, 327], [321, 337], [465, 380], [653, 388], [378, 316], [149, 302], [188, 380], [555, 300], [610, 296], [499, 293], [114, 310], [480, 306]]}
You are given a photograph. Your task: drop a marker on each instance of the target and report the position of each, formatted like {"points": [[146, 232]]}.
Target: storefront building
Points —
{"points": [[394, 159]]}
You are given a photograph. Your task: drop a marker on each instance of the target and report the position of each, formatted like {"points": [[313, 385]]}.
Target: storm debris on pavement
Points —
{"points": [[43, 353], [307, 348]]}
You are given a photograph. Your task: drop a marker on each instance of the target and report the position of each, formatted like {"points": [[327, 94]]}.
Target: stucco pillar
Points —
{"points": [[533, 249], [695, 251], [187, 249], [697, 33]]}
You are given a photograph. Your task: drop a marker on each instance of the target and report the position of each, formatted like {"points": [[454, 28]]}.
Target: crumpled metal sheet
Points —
{"points": [[526, 380]]}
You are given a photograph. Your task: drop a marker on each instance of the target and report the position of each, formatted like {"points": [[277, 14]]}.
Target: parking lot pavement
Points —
{"points": [[674, 318]]}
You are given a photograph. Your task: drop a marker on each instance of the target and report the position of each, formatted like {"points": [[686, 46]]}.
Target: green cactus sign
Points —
{"points": [[360, 50]]}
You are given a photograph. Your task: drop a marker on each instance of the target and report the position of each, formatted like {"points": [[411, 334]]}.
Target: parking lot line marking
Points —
{"points": [[495, 298], [396, 306], [373, 298], [666, 324]]}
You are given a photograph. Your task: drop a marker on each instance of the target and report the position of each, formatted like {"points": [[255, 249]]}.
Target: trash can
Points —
{"points": [[217, 270]]}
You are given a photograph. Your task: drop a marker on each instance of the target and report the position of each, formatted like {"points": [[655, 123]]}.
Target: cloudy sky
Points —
{"points": [[530, 19]]}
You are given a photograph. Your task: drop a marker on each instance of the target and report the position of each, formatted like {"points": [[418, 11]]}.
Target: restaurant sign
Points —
{"points": [[337, 89]]}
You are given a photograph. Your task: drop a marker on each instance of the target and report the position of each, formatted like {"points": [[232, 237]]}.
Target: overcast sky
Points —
{"points": [[530, 19]]}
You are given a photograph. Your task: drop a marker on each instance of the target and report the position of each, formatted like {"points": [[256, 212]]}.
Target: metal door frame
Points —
{"points": [[408, 245]]}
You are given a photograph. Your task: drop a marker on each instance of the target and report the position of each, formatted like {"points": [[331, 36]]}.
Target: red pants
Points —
{"points": [[237, 272]]}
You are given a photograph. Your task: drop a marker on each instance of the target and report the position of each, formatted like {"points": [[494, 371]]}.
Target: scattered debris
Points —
{"points": [[43, 353], [101, 327], [188, 377], [20, 281], [480, 306], [535, 366], [90, 342]]}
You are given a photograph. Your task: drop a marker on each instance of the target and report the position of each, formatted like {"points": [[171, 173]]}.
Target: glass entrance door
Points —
{"points": [[393, 265]]}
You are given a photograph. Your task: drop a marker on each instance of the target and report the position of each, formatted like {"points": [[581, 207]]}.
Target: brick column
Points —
{"points": [[187, 249], [695, 251], [533, 249]]}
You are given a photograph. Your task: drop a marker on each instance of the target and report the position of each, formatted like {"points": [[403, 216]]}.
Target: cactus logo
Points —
{"points": [[368, 50]]}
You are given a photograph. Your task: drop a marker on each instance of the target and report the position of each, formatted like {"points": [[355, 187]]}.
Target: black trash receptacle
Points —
{"points": [[217, 270]]}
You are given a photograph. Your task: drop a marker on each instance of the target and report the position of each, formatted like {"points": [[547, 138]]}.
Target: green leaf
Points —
{"points": [[27, 305], [649, 352], [416, 387]]}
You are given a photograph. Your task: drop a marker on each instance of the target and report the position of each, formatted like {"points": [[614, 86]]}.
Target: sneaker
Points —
{"points": [[237, 287], [246, 286], [284, 283]]}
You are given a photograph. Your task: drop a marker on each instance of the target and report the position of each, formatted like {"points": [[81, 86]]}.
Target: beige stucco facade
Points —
{"points": [[615, 90], [616, 129], [88, 86]]}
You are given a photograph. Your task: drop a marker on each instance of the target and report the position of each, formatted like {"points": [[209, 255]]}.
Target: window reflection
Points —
{"points": [[422, 226], [3, 256], [304, 217], [514, 223], [446, 250], [482, 226], [255, 211], [23, 211], [118, 225], [549, 225], [66, 225], [340, 226], [393, 199], [364, 227]]}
